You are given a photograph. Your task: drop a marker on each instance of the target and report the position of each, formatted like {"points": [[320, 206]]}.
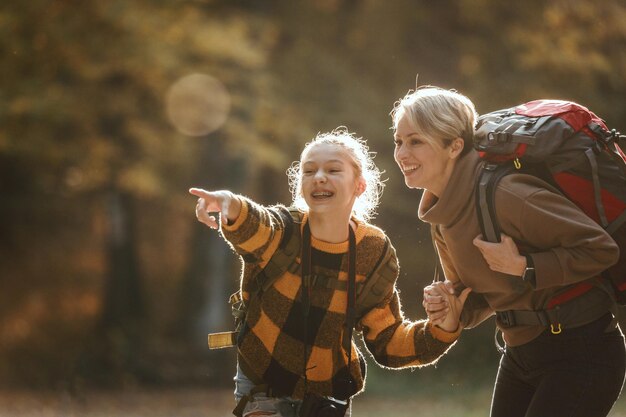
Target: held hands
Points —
{"points": [[223, 202], [442, 306], [502, 257]]}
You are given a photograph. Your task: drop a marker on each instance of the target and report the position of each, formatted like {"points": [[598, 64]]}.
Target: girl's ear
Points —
{"points": [[361, 186], [456, 147]]}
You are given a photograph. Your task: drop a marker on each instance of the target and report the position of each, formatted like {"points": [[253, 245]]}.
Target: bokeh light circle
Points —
{"points": [[197, 104]]}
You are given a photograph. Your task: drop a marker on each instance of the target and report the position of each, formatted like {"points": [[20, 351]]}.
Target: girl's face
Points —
{"points": [[424, 165], [329, 180]]}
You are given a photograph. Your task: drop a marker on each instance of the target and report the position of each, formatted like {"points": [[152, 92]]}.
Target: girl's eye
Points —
{"points": [[307, 172]]}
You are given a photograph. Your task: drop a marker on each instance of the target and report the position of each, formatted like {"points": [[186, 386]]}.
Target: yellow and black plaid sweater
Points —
{"points": [[270, 342]]}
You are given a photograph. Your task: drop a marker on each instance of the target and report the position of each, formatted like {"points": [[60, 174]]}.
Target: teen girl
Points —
{"points": [[293, 354]]}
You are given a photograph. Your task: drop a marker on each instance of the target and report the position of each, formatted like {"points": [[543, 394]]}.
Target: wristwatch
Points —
{"points": [[529, 273]]}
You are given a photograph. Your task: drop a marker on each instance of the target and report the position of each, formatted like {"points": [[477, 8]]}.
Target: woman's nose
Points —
{"points": [[399, 153]]}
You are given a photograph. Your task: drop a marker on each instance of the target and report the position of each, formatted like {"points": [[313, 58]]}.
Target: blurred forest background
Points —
{"points": [[111, 110]]}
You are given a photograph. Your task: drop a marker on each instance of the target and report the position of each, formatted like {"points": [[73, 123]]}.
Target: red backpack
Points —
{"points": [[569, 147]]}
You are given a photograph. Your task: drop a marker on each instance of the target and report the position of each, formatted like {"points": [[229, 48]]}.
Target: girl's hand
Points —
{"points": [[442, 306], [435, 305], [502, 257], [223, 202]]}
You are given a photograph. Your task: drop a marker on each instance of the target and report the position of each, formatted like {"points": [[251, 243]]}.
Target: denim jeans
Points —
{"points": [[262, 404], [578, 373]]}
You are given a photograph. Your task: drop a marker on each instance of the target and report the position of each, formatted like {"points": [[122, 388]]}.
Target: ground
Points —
{"points": [[204, 402]]}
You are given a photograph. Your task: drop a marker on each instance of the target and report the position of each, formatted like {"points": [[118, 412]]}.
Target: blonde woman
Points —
{"points": [[577, 373]]}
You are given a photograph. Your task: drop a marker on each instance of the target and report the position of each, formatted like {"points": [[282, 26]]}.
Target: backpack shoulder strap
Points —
{"points": [[284, 258], [488, 179], [377, 285]]}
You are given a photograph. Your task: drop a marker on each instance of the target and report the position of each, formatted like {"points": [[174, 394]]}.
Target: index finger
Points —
{"points": [[199, 192]]}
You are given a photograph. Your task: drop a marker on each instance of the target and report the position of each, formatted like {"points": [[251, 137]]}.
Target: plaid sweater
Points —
{"points": [[271, 341]]}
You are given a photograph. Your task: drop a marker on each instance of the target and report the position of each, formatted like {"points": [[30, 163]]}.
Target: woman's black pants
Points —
{"points": [[577, 373]]}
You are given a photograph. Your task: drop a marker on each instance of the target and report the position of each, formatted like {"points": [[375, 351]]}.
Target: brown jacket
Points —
{"points": [[566, 246]]}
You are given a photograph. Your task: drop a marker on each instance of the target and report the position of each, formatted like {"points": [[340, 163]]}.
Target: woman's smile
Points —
{"points": [[407, 170]]}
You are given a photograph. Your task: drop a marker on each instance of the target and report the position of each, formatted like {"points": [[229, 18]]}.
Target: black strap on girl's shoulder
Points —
{"points": [[351, 308], [306, 273], [284, 258], [305, 289]]}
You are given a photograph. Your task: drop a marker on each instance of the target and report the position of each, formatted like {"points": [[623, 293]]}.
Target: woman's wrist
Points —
{"points": [[521, 261]]}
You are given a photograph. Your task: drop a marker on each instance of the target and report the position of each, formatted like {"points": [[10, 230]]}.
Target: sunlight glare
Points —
{"points": [[197, 104]]}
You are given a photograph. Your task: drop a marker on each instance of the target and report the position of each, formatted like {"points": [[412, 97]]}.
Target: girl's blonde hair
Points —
{"points": [[362, 160], [439, 116]]}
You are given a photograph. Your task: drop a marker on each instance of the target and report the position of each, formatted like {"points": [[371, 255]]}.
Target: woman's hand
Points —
{"points": [[223, 202], [442, 306], [436, 305], [502, 257]]}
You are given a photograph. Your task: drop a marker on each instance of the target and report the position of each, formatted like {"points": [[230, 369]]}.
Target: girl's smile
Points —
{"points": [[329, 180]]}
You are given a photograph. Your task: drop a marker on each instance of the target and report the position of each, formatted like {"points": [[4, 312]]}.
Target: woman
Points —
{"points": [[293, 354], [578, 372]]}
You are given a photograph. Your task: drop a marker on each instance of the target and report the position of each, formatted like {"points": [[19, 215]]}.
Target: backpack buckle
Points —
{"points": [[498, 137], [507, 318], [557, 330], [612, 137]]}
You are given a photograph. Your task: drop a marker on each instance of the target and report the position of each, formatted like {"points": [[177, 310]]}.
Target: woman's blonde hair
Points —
{"points": [[362, 160], [438, 116]]}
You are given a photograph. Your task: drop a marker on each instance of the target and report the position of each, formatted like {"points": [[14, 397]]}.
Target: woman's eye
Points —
{"points": [[416, 142]]}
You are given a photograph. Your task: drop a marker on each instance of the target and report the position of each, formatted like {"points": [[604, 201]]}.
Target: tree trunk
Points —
{"points": [[122, 298], [118, 337]]}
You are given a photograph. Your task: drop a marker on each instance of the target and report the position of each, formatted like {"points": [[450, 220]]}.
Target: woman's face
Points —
{"points": [[424, 165], [329, 181]]}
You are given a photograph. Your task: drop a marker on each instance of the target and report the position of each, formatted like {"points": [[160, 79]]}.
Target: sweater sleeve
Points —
{"points": [[565, 244], [256, 233], [396, 342]]}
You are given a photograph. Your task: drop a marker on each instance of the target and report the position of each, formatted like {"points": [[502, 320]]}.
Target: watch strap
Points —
{"points": [[529, 272]]}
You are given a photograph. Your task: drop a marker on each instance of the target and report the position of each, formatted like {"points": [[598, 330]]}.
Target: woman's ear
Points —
{"points": [[456, 147]]}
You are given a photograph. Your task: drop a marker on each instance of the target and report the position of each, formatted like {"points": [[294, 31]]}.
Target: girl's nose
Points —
{"points": [[320, 176]]}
